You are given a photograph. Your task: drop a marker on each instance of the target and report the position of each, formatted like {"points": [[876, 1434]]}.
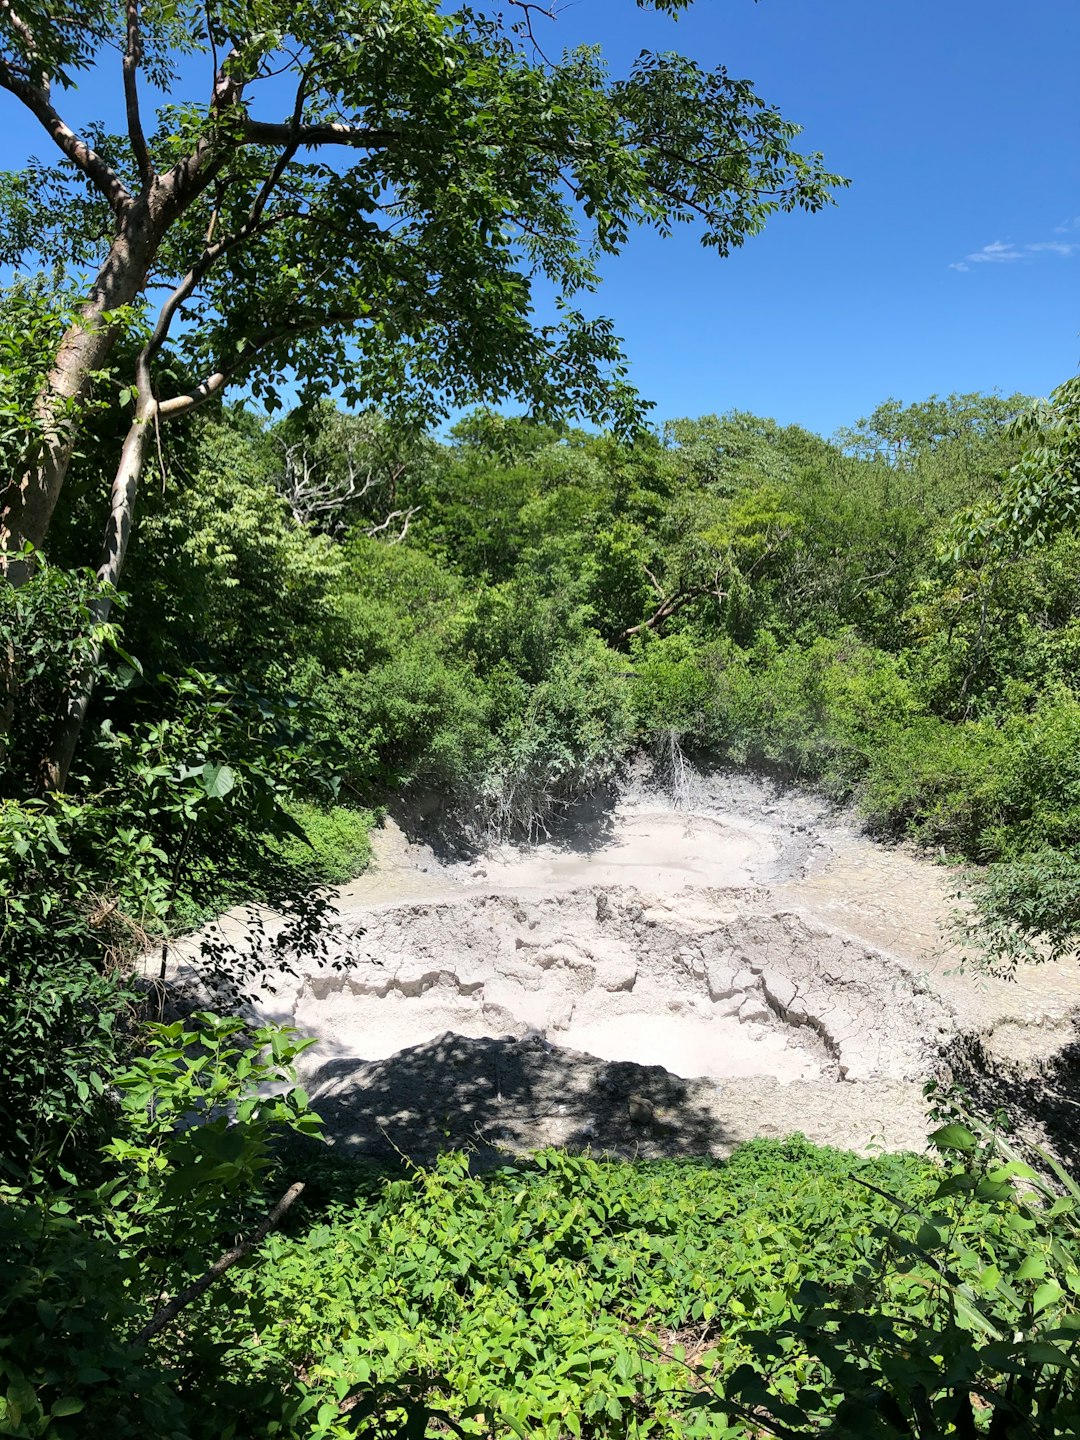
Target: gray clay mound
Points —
{"points": [[501, 1019], [699, 984], [660, 980]]}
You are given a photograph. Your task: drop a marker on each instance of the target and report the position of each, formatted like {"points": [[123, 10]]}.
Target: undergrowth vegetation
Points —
{"points": [[231, 640], [791, 1291], [488, 628]]}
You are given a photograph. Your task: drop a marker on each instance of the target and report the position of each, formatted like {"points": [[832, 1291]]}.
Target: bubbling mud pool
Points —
{"points": [[655, 980]]}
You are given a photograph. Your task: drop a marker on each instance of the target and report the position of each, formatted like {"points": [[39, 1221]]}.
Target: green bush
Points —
{"points": [[418, 719], [336, 844], [87, 1264], [567, 740], [559, 1297], [937, 782], [673, 689], [1024, 910], [814, 711], [793, 1291]]}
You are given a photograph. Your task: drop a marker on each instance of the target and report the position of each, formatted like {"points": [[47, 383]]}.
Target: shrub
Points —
{"points": [[673, 690], [566, 741], [336, 846], [812, 711], [794, 1291]]}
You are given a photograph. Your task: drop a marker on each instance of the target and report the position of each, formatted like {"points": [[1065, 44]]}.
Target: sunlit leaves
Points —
{"points": [[402, 268]]}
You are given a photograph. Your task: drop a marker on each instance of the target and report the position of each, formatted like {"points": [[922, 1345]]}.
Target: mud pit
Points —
{"points": [[656, 981]]}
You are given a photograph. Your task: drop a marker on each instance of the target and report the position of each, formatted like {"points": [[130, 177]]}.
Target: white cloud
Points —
{"points": [[1005, 252], [1056, 247]]}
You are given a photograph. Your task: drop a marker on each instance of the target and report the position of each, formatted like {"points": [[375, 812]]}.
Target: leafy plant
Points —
{"points": [[966, 1321], [95, 1275]]}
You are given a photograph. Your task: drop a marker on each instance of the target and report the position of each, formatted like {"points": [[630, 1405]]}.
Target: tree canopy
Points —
{"points": [[364, 197]]}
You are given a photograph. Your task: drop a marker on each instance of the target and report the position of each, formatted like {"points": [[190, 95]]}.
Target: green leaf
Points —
{"points": [[217, 780], [954, 1137], [67, 1405], [1043, 1353], [1048, 1293], [1031, 1268]]}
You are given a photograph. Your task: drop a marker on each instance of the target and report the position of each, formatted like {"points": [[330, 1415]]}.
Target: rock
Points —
{"points": [[753, 1010], [780, 988], [617, 975], [729, 1005], [641, 1110], [721, 981]]}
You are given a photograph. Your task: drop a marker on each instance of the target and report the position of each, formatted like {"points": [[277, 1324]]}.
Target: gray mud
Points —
{"points": [[663, 979]]}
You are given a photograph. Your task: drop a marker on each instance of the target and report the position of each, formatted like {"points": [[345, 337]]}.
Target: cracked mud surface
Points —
{"points": [[662, 981]]}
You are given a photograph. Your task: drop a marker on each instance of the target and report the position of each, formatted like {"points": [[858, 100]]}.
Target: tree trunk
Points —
{"points": [[27, 504], [57, 762]]}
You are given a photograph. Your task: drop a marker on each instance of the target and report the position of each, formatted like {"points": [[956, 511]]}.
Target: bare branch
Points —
{"points": [[211, 385], [528, 8], [312, 490], [215, 68], [263, 132], [403, 515], [668, 608], [654, 582], [168, 1313], [132, 61], [96, 169]]}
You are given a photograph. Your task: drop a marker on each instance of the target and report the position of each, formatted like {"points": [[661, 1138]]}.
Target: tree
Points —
{"points": [[1039, 496], [363, 198], [336, 470]]}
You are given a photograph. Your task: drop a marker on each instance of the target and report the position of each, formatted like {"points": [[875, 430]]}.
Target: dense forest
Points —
{"points": [[310, 519]]}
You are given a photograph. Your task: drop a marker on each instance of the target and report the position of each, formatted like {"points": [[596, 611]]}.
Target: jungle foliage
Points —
{"points": [[790, 1292], [228, 639], [502, 617]]}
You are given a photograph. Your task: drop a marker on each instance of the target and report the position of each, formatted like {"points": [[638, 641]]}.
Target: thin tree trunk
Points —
{"points": [[168, 1313], [125, 487], [28, 502]]}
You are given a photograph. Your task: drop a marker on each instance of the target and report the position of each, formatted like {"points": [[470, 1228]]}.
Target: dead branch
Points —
{"points": [[168, 1313], [669, 607], [405, 516]]}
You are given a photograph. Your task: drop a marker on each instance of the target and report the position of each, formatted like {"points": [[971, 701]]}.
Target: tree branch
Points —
{"points": [[214, 383], [168, 1313], [527, 8], [190, 176], [213, 252], [667, 609], [405, 516], [263, 132], [19, 25], [96, 169], [132, 60]]}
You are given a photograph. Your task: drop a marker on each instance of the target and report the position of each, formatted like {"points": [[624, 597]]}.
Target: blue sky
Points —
{"points": [[952, 262]]}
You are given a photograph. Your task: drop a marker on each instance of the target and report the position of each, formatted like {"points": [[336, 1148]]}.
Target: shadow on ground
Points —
{"points": [[494, 1096], [1043, 1104], [431, 820]]}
